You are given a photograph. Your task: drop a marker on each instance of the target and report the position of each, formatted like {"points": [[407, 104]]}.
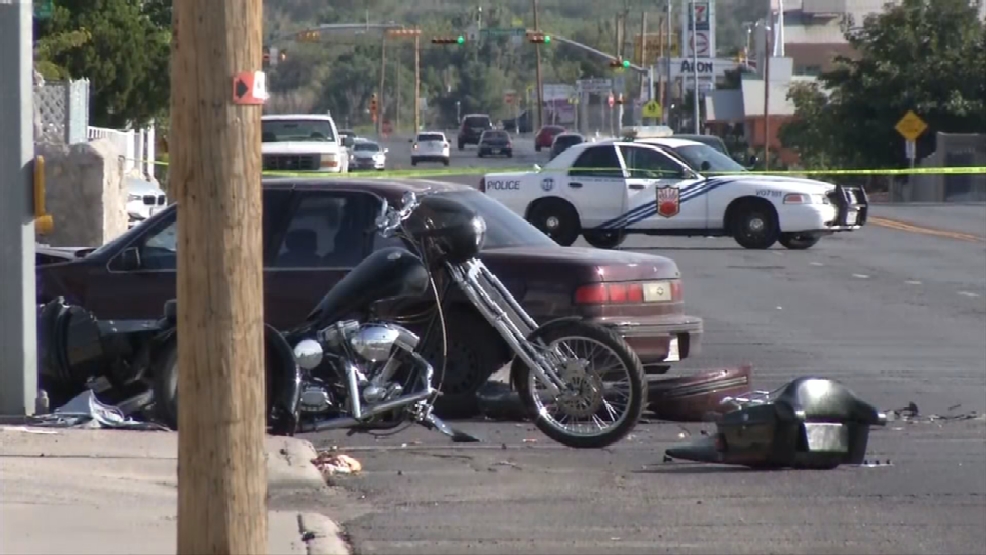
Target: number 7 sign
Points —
{"points": [[700, 11]]}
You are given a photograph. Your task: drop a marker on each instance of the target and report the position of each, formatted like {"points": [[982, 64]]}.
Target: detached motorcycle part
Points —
{"points": [[283, 382], [575, 329]]}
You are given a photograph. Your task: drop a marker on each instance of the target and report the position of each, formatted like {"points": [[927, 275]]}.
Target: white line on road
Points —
{"points": [[861, 276], [968, 293], [913, 282], [817, 264]]}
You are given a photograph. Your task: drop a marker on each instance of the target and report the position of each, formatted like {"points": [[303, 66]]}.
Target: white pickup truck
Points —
{"points": [[608, 189], [304, 142]]}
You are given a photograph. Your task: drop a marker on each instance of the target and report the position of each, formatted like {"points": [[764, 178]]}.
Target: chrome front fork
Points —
{"points": [[470, 276]]}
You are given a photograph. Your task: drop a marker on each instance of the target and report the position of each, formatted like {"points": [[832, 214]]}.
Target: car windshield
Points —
{"points": [[696, 155], [279, 131], [366, 147], [504, 228], [430, 137], [478, 121]]}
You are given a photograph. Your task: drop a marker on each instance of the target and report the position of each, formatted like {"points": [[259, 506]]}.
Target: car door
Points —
{"points": [[327, 234], [596, 185], [119, 293], [660, 191]]}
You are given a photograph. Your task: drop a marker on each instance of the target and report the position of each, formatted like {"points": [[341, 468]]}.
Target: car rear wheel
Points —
{"points": [[556, 219], [445, 161], [414, 161], [604, 239], [537, 148], [754, 225], [799, 241], [462, 145]]}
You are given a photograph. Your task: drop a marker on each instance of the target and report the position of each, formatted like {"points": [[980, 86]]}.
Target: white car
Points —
{"points": [[608, 189], [144, 199], [430, 146], [367, 155], [301, 143]]}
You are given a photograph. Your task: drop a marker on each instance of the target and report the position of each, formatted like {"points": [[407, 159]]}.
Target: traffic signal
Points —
{"points": [[539, 38], [619, 62], [373, 106], [309, 36], [449, 40]]}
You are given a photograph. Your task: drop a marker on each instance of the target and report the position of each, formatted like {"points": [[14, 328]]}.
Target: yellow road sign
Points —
{"points": [[911, 126], [652, 109]]}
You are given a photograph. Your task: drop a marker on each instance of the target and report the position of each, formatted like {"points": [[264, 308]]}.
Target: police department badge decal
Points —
{"points": [[668, 201], [547, 184]]}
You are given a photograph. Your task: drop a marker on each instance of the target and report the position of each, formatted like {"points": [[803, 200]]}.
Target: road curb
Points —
{"points": [[321, 535], [297, 469]]}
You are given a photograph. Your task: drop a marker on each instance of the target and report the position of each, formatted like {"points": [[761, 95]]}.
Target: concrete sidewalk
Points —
{"points": [[113, 491]]}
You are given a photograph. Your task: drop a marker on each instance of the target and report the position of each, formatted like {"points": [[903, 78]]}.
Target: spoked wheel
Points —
{"points": [[605, 385]]}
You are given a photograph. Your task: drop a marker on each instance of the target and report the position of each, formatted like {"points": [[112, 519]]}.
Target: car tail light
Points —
{"points": [[482, 185], [633, 292]]}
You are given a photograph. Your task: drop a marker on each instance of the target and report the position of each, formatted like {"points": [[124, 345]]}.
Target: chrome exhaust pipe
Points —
{"points": [[335, 423]]}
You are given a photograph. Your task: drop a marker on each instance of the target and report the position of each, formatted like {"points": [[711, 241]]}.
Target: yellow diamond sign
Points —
{"points": [[911, 126], [652, 109]]}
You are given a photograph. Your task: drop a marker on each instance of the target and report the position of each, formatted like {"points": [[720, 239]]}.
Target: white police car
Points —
{"points": [[606, 190]]}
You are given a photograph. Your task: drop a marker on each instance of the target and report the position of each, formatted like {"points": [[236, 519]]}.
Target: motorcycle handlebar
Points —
{"points": [[391, 218]]}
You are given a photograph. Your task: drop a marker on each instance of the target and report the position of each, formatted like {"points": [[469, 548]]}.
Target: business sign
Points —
{"points": [[594, 86], [656, 43], [706, 67], [703, 13]]}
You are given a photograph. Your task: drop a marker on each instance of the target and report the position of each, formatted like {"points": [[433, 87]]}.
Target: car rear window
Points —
{"points": [[431, 137], [366, 147], [495, 135], [478, 121], [568, 140], [504, 228]]}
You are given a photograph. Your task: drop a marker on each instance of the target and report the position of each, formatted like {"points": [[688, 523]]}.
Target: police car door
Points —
{"points": [[596, 186], [658, 189]]}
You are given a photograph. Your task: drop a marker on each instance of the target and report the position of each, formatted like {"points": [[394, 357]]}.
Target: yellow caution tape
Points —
{"points": [[471, 170]]}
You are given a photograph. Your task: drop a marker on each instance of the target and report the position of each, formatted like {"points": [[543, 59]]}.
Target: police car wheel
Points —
{"points": [[556, 219], [604, 239], [445, 161], [755, 226], [799, 241]]}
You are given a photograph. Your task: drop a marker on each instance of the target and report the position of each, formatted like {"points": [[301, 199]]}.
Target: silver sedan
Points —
{"points": [[367, 155]]}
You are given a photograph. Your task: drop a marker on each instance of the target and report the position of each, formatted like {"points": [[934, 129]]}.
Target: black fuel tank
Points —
{"points": [[387, 273]]}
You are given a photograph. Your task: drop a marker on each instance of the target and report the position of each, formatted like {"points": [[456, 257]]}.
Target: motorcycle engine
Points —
{"points": [[315, 398]]}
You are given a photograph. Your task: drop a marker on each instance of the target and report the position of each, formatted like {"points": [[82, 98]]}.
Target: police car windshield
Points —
{"points": [[504, 228], [698, 154]]}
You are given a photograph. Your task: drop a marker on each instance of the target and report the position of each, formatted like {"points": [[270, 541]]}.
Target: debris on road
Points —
{"points": [[330, 464], [698, 398], [911, 414], [814, 423], [85, 410]]}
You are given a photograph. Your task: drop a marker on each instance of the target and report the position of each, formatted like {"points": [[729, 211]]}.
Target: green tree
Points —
{"points": [[121, 46], [921, 55]]}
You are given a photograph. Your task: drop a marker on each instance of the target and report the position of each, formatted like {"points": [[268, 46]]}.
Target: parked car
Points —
{"points": [[314, 232], [430, 146], [546, 135], [367, 155], [472, 128], [714, 141], [563, 141], [144, 199], [495, 142]]}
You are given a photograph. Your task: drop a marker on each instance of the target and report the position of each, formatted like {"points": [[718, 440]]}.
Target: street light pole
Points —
{"points": [[18, 342], [698, 126]]}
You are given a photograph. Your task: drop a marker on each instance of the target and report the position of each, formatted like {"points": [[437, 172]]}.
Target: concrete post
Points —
{"points": [[18, 343]]}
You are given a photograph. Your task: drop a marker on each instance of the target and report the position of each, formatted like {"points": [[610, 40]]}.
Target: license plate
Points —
{"points": [[852, 218], [673, 354], [657, 291]]}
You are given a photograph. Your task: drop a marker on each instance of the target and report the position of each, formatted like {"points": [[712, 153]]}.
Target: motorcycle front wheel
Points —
{"points": [[605, 385]]}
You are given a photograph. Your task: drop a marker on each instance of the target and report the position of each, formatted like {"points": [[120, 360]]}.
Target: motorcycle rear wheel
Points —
{"points": [[607, 342]]}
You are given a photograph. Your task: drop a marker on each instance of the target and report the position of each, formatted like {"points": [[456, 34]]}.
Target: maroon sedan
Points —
{"points": [[315, 231], [546, 135]]}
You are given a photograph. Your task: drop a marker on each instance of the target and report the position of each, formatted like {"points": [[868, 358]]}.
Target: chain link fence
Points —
{"points": [[61, 111]]}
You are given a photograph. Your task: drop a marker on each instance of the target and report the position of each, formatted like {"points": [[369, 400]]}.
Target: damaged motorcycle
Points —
{"points": [[581, 383]]}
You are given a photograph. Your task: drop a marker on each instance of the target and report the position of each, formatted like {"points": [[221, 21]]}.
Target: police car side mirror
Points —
{"points": [[537, 167]]}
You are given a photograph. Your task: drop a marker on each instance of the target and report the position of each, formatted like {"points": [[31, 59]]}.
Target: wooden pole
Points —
{"points": [[215, 174], [766, 98], [382, 108], [417, 83]]}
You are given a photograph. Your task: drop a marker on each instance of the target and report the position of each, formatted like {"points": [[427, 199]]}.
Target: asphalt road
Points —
{"points": [[896, 311], [399, 157]]}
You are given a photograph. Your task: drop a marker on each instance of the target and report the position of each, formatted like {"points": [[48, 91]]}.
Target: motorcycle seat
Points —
{"points": [[171, 310]]}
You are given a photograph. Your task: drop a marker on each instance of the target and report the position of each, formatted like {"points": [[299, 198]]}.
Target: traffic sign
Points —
{"points": [[699, 44], [911, 126], [43, 9], [652, 109], [501, 31]]}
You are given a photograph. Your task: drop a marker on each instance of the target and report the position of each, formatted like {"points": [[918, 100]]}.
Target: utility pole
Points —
{"points": [[397, 90], [643, 59], [667, 65], [766, 97], [692, 15], [417, 83], [537, 66], [18, 343], [383, 74], [216, 92]]}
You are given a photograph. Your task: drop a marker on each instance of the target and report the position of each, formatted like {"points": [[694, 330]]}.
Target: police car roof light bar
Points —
{"points": [[647, 132]]}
